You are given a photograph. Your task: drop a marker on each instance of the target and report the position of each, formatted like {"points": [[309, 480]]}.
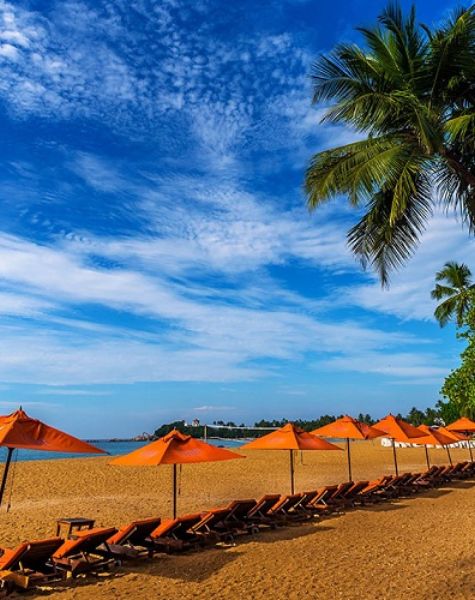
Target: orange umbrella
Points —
{"points": [[18, 430], [175, 448], [289, 437], [463, 425], [434, 437], [350, 429], [399, 431], [456, 437]]}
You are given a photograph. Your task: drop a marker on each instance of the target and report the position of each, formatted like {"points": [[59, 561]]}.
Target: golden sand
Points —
{"points": [[420, 548]]}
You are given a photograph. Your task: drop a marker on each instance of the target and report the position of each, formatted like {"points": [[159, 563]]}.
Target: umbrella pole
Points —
{"points": [[395, 456], [449, 455], [427, 457], [470, 449], [348, 453], [174, 491], [5, 473], [292, 474]]}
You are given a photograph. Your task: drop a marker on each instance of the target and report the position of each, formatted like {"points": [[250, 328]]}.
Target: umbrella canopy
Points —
{"points": [[456, 436], [175, 448], [350, 429], [18, 430], [399, 431], [434, 437], [463, 425], [289, 437]]}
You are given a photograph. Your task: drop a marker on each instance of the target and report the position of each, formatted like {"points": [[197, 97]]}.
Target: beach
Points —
{"points": [[420, 547]]}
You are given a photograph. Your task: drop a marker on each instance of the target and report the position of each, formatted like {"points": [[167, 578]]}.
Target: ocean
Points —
{"points": [[112, 448]]}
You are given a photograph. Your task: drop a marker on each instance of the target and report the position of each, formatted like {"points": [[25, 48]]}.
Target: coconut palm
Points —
{"points": [[456, 291], [411, 92]]}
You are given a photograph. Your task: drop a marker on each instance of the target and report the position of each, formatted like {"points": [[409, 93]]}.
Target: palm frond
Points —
{"points": [[387, 243], [445, 311]]}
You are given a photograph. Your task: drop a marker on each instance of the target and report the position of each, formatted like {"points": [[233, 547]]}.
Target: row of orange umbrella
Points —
{"points": [[20, 431], [175, 448]]}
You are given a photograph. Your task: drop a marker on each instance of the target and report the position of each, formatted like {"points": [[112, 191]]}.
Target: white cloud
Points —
{"points": [[409, 294], [407, 365], [8, 51], [21, 305], [53, 391], [211, 407], [198, 338], [196, 280]]}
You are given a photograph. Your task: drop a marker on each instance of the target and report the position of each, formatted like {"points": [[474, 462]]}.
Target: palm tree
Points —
{"points": [[457, 293], [411, 92]]}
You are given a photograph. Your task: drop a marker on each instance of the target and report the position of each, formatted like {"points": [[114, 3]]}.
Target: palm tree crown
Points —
{"points": [[457, 293], [411, 91]]}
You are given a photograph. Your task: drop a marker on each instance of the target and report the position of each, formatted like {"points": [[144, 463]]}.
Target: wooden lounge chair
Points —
{"points": [[214, 527], [395, 487], [177, 535], [133, 540], [433, 477], [287, 509], [319, 504], [374, 491], [459, 470], [260, 512], [337, 498], [350, 497], [466, 471], [31, 562], [305, 503], [86, 552], [236, 519]]}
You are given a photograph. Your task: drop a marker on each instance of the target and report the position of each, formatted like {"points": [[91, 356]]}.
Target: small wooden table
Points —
{"points": [[73, 524]]}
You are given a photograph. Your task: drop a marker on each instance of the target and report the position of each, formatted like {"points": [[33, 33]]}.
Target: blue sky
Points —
{"points": [[157, 260]]}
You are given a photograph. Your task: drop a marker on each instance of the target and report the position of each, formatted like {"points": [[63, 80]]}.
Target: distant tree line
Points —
{"points": [[442, 413]]}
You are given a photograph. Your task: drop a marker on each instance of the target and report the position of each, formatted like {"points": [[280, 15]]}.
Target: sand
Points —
{"points": [[420, 548]]}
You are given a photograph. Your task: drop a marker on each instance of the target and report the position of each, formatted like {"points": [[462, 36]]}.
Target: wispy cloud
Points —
{"points": [[52, 391], [409, 294], [212, 408], [162, 236]]}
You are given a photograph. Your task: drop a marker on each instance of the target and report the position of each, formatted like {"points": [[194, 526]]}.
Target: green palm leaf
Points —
{"points": [[411, 90]]}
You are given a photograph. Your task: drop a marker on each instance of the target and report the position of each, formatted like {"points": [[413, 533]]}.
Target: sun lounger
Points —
{"points": [[395, 488], [286, 509], [237, 520], [350, 497], [260, 513], [133, 540], [374, 491], [177, 535], [85, 552], [337, 498], [214, 527], [436, 476], [31, 562], [305, 503], [319, 505], [466, 471], [461, 470]]}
